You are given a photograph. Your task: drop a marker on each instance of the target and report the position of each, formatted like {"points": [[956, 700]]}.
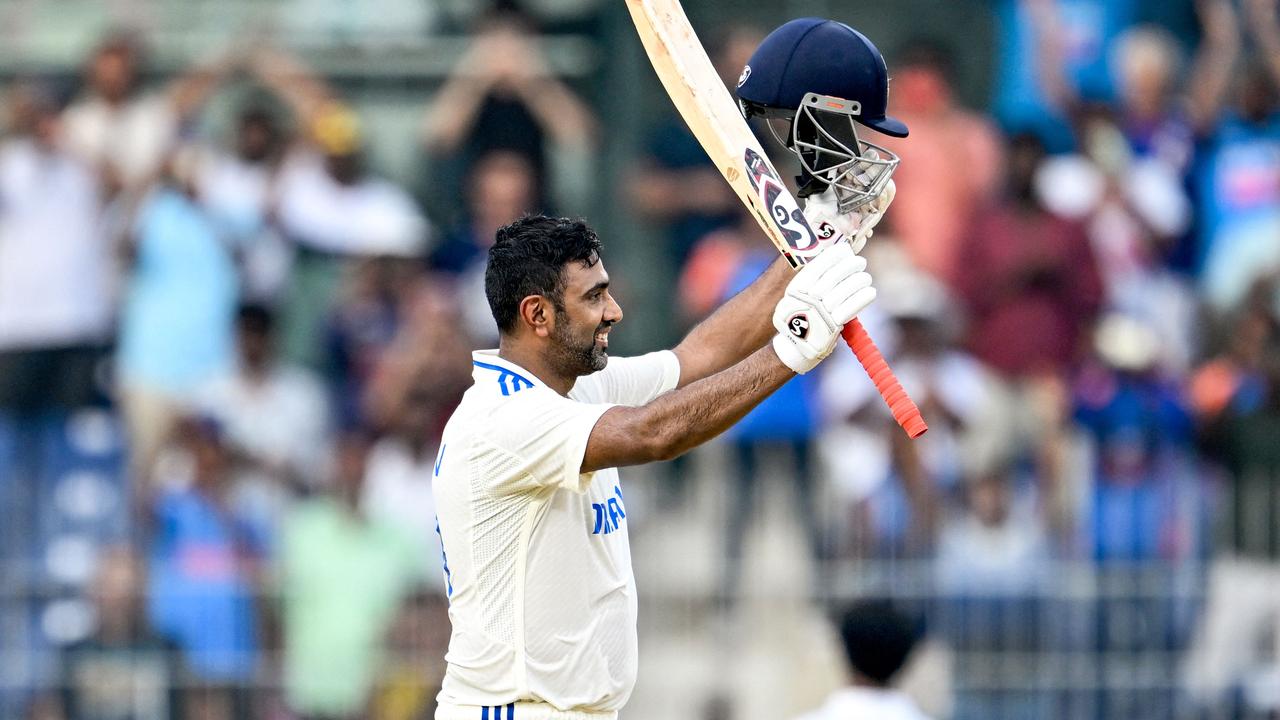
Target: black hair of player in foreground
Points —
{"points": [[555, 262]]}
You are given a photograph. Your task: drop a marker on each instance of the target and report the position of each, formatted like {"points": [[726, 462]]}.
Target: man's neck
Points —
{"points": [[862, 682], [516, 352]]}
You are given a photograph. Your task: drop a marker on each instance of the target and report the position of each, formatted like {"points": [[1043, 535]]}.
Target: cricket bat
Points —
{"points": [[713, 117]]}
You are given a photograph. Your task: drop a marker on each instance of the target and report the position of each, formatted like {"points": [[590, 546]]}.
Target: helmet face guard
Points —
{"points": [[824, 135]]}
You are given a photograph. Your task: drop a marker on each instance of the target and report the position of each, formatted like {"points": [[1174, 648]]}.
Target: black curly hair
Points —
{"points": [[528, 258]]}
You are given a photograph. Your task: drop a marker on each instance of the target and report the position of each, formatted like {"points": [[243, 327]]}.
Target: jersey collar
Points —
{"points": [[507, 377]]}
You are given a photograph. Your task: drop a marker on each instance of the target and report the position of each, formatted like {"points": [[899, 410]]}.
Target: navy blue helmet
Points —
{"points": [[824, 78]]}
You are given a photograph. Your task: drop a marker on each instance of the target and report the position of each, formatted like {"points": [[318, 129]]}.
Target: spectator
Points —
{"points": [[993, 567], [1039, 37], [502, 187], [178, 311], [428, 356], [334, 638], [328, 205], [1140, 426], [950, 164], [1031, 286], [503, 96], [995, 546], [123, 132], [205, 560], [1145, 500], [1237, 175], [712, 264], [1126, 181], [124, 650], [1242, 609], [275, 417], [1155, 123], [236, 189], [877, 642], [703, 283], [1135, 211], [895, 488], [397, 485], [1231, 382], [55, 265], [676, 184], [1143, 64], [366, 318]]}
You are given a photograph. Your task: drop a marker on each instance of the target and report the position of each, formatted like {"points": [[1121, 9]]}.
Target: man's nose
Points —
{"points": [[613, 313]]}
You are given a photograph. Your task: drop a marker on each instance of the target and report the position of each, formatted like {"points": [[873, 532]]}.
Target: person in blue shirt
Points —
{"points": [[1035, 36], [1236, 172], [205, 557], [1145, 524], [1237, 182], [177, 318]]}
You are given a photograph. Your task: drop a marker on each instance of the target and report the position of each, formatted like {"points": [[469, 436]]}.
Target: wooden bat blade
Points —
{"points": [[706, 106]]}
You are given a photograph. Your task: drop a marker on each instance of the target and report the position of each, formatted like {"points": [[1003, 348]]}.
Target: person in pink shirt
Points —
{"points": [[950, 164], [1032, 290]]}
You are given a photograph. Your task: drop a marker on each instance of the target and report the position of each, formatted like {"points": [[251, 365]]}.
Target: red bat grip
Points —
{"points": [[904, 410]]}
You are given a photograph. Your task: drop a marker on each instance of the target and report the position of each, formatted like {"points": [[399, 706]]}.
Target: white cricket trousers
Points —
{"points": [[517, 711]]}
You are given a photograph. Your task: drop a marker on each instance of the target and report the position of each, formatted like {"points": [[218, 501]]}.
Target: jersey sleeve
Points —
{"points": [[630, 380], [539, 441]]}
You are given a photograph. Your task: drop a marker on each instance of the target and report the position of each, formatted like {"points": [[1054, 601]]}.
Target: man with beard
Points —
{"points": [[531, 515]]}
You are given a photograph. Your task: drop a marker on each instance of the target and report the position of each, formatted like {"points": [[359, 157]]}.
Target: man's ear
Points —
{"points": [[537, 313]]}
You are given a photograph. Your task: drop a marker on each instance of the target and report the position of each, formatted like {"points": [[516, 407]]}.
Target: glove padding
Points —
{"points": [[825, 294], [857, 225]]}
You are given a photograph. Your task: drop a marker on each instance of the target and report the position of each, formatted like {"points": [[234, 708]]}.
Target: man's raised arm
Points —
{"points": [[735, 330], [814, 306]]}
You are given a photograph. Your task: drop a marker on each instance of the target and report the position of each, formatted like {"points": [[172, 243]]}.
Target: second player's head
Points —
{"points": [[547, 287], [877, 640]]}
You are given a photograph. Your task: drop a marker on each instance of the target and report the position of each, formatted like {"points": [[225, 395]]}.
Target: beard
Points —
{"points": [[576, 354]]}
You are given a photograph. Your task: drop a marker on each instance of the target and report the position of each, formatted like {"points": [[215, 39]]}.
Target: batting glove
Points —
{"points": [[857, 225], [825, 294]]}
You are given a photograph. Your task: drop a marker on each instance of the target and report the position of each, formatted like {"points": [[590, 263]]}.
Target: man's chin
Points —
{"points": [[599, 359]]}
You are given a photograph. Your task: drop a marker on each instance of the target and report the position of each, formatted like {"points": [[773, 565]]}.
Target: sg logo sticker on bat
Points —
{"points": [[782, 208]]}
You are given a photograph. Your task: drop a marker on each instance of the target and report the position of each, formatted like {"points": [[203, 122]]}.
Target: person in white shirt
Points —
{"points": [[531, 515], [123, 131], [276, 417], [331, 209], [55, 263], [878, 641], [236, 185]]}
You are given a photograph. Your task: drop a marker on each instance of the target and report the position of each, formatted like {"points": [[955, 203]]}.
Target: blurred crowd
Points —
{"points": [[226, 358]]}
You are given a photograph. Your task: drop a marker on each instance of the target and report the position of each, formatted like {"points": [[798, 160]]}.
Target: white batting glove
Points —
{"points": [[825, 294], [857, 225]]}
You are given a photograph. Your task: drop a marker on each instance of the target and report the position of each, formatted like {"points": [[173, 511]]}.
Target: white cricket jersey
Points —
{"points": [[537, 564], [855, 703]]}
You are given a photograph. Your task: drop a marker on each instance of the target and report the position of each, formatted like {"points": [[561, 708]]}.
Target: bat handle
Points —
{"points": [[904, 410]]}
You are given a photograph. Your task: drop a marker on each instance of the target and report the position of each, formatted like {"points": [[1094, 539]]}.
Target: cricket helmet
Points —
{"points": [[824, 78]]}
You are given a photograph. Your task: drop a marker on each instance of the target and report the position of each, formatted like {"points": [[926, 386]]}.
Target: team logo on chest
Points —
{"points": [[609, 515]]}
